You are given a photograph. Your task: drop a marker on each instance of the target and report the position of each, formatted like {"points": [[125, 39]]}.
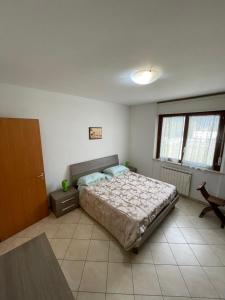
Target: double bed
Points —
{"points": [[130, 206]]}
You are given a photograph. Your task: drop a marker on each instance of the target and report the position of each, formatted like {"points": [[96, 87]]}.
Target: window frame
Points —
{"points": [[219, 148]]}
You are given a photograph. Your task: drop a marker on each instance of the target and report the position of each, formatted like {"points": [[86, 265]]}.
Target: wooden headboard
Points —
{"points": [[90, 166]]}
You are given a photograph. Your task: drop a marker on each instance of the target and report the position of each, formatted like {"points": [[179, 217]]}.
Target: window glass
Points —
{"points": [[172, 138], [201, 140]]}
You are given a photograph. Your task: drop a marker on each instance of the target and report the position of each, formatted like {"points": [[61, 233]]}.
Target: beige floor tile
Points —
{"points": [[191, 235], [162, 254], [171, 281], [177, 298], [219, 250], [99, 233], [83, 231], [90, 296], [211, 236], [98, 250], [117, 253], [119, 284], [29, 232], [8, 244], [145, 280], [49, 229], [60, 261], [86, 219], [205, 255], [184, 221], [157, 237], [197, 282], [77, 250], [51, 219], [193, 209], [11, 243], [217, 277], [94, 277], [144, 255], [20, 241], [168, 222], [208, 222], [73, 272], [59, 247], [220, 232], [3, 248], [202, 298], [72, 217], [119, 297], [177, 211], [184, 255], [173, 235], [143, 297], [65, 231]]}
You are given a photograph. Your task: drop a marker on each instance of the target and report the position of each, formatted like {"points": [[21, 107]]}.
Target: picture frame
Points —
{"points": [[95, 133]]}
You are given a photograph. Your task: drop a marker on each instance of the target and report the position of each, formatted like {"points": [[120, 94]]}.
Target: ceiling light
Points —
{"points": [[144, 77]]}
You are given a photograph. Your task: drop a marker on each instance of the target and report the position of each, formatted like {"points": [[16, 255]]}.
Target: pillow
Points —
{"points": [[91, 179], [116, 170], [108, 177]]}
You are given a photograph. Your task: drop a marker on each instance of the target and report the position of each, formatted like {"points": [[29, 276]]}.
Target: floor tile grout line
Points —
{"points": [[180, 272], [107, 274], [210, 281], [132, 275], [152, 295], [158, 279], [194, 254], [213, 253], [85, 261]]}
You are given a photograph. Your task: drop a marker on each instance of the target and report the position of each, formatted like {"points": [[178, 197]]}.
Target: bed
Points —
{"points": [[130, 206]]}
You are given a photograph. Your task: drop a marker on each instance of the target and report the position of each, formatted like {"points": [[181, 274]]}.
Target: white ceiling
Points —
{"points": [[89, 47]]}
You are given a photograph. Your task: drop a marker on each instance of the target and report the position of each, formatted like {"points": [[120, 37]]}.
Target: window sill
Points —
{"points": [[189, 167]]}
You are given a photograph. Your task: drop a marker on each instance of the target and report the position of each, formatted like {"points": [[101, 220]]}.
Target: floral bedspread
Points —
{"points": [[127, 204]]}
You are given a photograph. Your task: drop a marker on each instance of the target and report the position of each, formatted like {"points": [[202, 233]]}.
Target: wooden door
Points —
{"points": [[23, 198]]}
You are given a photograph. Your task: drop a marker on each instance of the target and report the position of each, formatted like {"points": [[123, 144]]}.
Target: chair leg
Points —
{"points": [[219, 214], [205, 210], [135, 250]]}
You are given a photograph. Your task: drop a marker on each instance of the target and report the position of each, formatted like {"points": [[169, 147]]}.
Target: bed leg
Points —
{"points": [[135, 250]]}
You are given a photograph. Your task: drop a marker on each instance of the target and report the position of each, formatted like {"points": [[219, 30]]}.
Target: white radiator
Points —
{"points": [[181, 179]]}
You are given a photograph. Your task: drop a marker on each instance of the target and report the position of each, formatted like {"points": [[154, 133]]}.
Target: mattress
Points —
{"points": [[127, 204]]}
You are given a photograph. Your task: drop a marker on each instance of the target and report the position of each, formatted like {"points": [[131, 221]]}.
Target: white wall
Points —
{"points": [[142, 135], [64, 122], [143, 124]]}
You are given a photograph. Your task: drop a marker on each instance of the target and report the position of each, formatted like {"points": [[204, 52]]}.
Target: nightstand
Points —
{"points": [[132, 169], [63, 202]]}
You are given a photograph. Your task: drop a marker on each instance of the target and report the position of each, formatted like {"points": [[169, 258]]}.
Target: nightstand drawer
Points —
{"points": [[65, 208], [66, 203]]}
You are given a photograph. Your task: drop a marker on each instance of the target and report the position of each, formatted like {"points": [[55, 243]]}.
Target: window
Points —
{"points": [[194, 139], [172, 138]]}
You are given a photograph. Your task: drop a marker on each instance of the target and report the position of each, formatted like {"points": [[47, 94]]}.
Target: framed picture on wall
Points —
{"points": [[95, 133]]}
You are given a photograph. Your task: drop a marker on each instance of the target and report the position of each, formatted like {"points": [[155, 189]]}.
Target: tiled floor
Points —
{"points": [[184, 258]]}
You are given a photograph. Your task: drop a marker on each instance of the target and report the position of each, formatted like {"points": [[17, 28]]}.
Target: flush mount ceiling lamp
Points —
{"points": [[144, 77]]}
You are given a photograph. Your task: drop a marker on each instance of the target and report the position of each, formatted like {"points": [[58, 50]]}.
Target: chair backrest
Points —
{"points": [[203, 190]]}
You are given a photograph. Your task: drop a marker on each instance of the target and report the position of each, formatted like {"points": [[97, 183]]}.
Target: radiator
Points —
{"points": [[181, 179]]}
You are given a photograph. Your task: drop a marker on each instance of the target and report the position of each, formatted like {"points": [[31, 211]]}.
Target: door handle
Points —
{"points": [[41, 175]]}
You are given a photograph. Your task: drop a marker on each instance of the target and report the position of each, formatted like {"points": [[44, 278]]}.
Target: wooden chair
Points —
{"points": [[214, 204]]}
